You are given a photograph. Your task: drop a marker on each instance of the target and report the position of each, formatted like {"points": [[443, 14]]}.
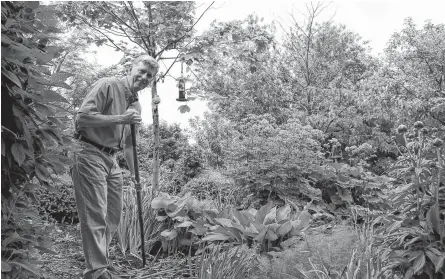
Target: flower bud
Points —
{"points": [[402, 129], [437, 142], [424, 131], [418, 125], [411, 136], [434, 130]]}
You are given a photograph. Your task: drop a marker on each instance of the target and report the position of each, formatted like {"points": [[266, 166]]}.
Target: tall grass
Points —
{"points": [[128, 233], [223, 263]]}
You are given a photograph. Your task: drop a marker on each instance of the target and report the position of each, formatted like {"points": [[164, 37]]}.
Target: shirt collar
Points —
{"points": [[128, 92]]}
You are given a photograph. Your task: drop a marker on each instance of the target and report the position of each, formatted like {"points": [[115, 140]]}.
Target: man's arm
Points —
{"points": [[90, 112], [131, 116]]}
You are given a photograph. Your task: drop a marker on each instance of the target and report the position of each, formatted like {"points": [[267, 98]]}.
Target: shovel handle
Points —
{"points": [[138, 192]]}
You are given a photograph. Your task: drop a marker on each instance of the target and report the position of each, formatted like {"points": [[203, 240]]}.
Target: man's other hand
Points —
{"points": [[131, 116]]}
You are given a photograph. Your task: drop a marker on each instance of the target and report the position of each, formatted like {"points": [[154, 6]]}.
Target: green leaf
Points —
{"points": [[198, 230], [25, 265], [52, 96], [61, 84], [161, 218], [440, 263], [6, 267], [345, 195], [418, 264], [236, 37], [42, 172], [184, 224], [32, 4], [60, 77], [270, 216], [18, 152], [401, 139], [56, 121], [43, 109], [261, 45], [305, 218], [224, 222], [262, 212], [271, 235], [337, 166], [169, 234], [240, 218], [343, 178], [184, 108], [45, 250], [283, 213], [260, 237], [52, 189], [13, 238], [215, 237], [9, 23], [284, 229], [257, 225], [433, 219], [433, 258], [237, 233], [12, 77]]}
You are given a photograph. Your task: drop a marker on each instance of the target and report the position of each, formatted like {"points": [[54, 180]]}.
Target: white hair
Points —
{"points": [[147, 60]]}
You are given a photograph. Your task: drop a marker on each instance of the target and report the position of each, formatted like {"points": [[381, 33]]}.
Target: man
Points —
{"points": [[100, 130]]}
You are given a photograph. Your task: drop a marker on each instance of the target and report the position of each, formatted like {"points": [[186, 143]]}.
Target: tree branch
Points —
{"points": [[98, 30], [114, 15], [169, 68], [138, 25], [185, 34]]}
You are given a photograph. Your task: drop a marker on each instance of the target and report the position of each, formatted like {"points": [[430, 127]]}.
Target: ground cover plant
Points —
{"points": [[316, 158]]}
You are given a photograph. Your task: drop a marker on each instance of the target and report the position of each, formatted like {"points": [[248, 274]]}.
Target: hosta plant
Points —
{"points": [[191, 222]]}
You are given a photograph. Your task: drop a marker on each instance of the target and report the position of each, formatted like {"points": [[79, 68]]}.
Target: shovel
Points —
{"points": [[138, 191]]}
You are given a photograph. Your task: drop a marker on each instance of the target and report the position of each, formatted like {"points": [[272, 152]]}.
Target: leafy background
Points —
{"points": [[309, 139]]}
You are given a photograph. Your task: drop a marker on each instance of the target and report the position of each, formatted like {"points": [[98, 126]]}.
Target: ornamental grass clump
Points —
{"points": [[221, 263]]}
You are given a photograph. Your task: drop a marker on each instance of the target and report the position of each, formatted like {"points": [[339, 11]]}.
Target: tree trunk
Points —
{"points": [[155, 112]]}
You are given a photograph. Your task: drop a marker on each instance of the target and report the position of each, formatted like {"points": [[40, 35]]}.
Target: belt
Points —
{"points": [[105, 149]]}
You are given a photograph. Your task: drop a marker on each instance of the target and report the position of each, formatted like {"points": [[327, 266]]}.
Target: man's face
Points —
{"points": [[141, 75]]}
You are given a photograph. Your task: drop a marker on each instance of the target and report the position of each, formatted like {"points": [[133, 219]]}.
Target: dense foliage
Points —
{"points": [[32, 125], [301, 132]]}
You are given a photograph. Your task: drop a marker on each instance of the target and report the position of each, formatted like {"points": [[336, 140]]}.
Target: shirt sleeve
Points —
{"points": [[95, 101]]}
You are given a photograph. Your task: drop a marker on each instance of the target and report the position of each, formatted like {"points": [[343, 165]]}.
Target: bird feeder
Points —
{"points": [[181, 86]]}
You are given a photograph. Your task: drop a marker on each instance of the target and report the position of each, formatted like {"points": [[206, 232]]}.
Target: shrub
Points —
{"points": [[59, 201], [212, 184], [265, 156]]}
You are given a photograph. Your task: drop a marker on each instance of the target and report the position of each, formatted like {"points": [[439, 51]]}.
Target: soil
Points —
{"points": [[67, 261]]}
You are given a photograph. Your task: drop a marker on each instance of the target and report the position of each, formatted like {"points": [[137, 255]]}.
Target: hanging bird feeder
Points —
{"points": [[181, 86]]}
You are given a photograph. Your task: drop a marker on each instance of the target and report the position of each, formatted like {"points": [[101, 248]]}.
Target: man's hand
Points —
{"points": [[131, 116]]}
